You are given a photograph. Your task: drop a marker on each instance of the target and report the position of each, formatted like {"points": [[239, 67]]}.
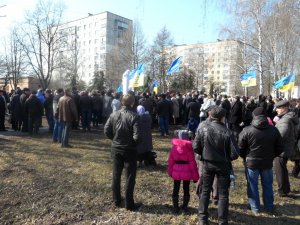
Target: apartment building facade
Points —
{"points": [[92, 44], [217, 65]]}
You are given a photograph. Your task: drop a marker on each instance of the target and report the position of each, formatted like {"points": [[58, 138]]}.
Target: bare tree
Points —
{"points": [[139, 46], [14, 58], [161, 42], [41, 42]]}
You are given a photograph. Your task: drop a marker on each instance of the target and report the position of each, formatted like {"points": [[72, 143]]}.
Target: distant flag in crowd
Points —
{"points": [[174, 67], [136, 77], [120, 89], [286, 83], [155, 86], [249, 79]]}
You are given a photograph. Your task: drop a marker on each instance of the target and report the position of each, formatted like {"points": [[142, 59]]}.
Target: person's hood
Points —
{"points": [[260, 122], [183, 145], [291, 116]]}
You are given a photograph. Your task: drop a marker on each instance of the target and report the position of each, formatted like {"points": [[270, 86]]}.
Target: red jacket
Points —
{"points": [[181, 163]]}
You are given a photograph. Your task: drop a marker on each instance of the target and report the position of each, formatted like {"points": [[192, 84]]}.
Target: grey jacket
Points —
{"points": [[288, 127]]}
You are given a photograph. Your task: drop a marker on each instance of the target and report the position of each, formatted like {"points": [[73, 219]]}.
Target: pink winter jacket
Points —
{"points": [[181, 163]]}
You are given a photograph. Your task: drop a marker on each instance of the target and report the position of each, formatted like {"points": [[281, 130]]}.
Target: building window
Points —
{"points": [[84, 27]]}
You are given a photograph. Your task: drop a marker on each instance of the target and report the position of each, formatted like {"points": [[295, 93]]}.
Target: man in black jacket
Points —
{"points": [[122, 127], [164, 110], [34, 110], [236, 116], [260, 143], [217, 147]]}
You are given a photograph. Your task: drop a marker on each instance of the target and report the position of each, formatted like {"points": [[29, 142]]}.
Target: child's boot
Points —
{"points": [[175, 204], [186, 200]]}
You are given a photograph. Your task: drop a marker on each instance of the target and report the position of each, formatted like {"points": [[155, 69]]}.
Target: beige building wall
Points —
{"points": [[91, 39], [218, 61], [32, 83]]}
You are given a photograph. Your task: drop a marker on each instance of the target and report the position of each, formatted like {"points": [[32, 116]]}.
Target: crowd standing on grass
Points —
{"points": [[214, 129]]}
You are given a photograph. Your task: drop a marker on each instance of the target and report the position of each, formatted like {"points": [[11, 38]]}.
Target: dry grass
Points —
{"points": [[42, 183]]}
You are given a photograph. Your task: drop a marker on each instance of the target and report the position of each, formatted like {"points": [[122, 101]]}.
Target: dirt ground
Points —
{"points": [[42, 183]]}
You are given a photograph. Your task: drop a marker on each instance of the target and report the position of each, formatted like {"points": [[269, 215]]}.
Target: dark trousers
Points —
{"points": [[176, 187], [24, 122], [33, 123], [50, 120], [236, 129], [86, 117], [296, 168], [282, 175], [2, 121], [222, 171], [120, 161], [66, 133]]}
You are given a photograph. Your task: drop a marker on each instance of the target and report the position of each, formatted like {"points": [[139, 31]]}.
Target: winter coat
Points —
{"points": [[107, 109], [181, 163], [33, 106], [146, 137], [236, 113], [97, 103], [67, 111], [15, 108], [164, 108], [175, 107], [215, 143], [260, 143], [193, 110], [225, 104], [288, 127], [123, 128], [85, 103], [48, 104], [40, 96]]}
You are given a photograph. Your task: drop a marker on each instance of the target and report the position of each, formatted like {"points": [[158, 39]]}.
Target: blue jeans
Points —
{"points": [[50, 120], [57, 131], [164, 125], [252, 188], [66, 133]]}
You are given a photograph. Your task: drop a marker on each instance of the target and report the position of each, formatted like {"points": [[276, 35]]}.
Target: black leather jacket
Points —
{"points": [[123, 129], [215, 143], [260, 143]]}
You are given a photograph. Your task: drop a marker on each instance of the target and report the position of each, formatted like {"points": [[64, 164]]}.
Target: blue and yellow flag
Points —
{"points": [[155, 86], [249, 79], [174, 67], [286, 83]]}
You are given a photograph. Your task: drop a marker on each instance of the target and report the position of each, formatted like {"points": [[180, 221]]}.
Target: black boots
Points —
{"points": [[185, 204], [175, 205]]}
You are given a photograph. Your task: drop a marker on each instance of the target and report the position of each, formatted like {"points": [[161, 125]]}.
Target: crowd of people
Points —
{"points": [[216, 129]]}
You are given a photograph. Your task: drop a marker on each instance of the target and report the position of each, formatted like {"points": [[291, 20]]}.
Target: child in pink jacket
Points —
{"points": [[182, 167]]}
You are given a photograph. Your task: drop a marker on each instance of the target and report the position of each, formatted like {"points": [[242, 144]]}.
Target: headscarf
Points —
{"points": [[140, 110]]}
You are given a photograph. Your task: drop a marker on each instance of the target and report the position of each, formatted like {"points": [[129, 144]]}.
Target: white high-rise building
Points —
{"points": [[90, 44], [215, 63]]}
